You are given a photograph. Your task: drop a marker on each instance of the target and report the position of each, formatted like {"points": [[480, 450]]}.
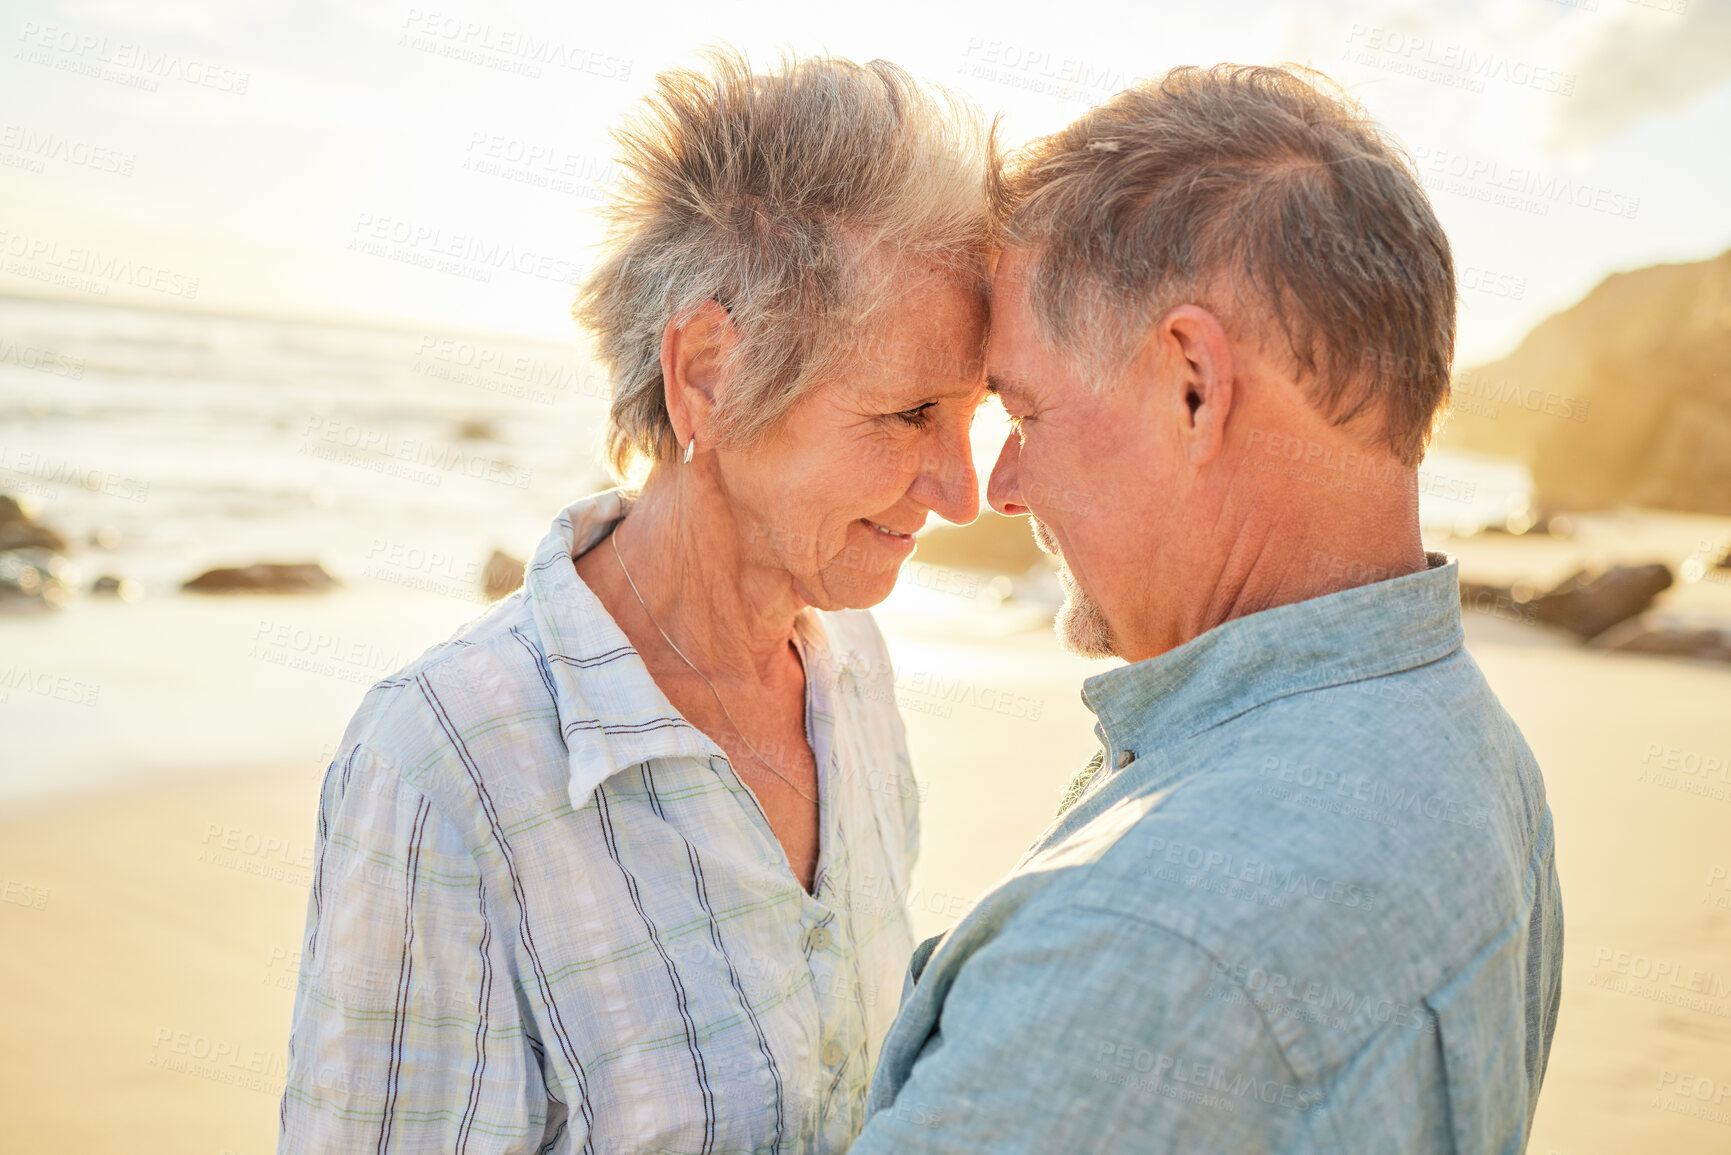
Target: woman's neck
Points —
{"points": [[686, 553]]}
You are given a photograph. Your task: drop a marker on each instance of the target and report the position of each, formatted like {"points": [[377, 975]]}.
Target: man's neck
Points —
{"points": [[1281, 556]]}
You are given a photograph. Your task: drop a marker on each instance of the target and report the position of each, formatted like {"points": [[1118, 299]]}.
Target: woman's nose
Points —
{"points": [[1005, 489], [948, 483]]}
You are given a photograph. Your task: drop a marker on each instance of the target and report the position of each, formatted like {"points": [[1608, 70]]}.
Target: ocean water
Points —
{"points": [[164, 443]]}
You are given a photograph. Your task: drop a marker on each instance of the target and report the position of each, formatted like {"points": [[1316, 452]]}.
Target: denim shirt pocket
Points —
{"points": [[1481, 1025]]}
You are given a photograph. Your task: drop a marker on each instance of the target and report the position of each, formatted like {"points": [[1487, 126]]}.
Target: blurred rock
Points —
{"points": [[1532, 523], [502, 574], [126, 589], [1510, 603], [476, 429], [35, 579], [1669, 634], [18, 530], [264, 578], [1587, 604]]}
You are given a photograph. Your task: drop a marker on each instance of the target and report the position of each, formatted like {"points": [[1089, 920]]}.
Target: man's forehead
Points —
{"points": [[1013, 344], [1010, 276]]}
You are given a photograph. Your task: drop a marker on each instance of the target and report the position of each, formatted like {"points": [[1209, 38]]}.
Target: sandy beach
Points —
{"points": [[152, 913]]}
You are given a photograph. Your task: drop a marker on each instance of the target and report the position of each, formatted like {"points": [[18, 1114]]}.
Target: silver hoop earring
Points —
{"points": [[690, 448]]}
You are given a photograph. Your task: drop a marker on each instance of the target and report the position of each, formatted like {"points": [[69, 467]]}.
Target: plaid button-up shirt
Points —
{"points": [[547, 916]]}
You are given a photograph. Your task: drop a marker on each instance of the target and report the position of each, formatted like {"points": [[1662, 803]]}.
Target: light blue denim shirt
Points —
{"points": [[1309, 903]]}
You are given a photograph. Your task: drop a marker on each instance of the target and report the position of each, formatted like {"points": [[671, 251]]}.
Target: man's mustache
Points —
{"points": [[1044, 539]]}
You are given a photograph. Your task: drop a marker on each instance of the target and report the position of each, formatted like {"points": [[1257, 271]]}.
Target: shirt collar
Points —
{"points": [[1365, 632], [612, 715]]}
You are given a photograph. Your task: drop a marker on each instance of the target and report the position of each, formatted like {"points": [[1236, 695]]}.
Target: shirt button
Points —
{"points": [[832, 1054], [817, 938], [1125, 757]]}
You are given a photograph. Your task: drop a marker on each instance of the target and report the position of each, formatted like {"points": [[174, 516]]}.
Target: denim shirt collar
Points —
{"points": [[1364, 632]]}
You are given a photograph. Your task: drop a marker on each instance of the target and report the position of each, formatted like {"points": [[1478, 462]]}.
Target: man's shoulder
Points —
{"points": [[1362, 804], [1337, 864]]}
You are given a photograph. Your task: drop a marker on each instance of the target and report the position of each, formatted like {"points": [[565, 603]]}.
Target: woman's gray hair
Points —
{"points": [[794, 198]]}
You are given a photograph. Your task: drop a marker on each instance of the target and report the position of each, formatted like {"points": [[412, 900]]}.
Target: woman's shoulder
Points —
{"points": [[442, 715]]}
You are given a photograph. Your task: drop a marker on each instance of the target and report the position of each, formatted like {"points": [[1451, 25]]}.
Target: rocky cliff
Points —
{"points": [[1624, 398]]}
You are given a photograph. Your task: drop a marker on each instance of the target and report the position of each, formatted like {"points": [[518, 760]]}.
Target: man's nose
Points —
{"points": [[1005, 490]]}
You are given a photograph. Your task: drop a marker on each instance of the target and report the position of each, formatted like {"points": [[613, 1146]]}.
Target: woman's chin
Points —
{"points": [[847, 588]]}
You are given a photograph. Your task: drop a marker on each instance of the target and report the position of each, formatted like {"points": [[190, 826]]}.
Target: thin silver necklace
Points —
{"points": [[614, 538]]}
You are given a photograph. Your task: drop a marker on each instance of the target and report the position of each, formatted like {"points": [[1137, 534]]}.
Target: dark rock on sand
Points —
{"points": [[109, 586], [1669, 634], [18, 530], [502, 574], [1510, 603], [263, 578], [1588, 604], [33, 575]]}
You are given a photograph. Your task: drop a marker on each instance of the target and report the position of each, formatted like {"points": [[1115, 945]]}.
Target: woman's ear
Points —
{"points": [[696, 349]]}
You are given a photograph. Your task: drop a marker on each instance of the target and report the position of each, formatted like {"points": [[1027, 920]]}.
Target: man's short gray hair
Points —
{"points": [[1255, 193], [795, 199]]}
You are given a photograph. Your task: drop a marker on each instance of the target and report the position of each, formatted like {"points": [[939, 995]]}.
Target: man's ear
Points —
{"points": [[1194, 358], [695, 349]]}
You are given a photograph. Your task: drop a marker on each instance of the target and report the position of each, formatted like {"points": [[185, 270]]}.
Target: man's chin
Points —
{"points": [[1082, 628]]}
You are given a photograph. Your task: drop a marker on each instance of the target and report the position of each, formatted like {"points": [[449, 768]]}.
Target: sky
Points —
{"points": [[428, 162]]}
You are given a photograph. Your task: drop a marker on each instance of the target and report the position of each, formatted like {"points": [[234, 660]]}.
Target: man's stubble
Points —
{"points": [[1082, 628]]}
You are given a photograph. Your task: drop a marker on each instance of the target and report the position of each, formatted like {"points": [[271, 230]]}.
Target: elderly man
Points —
{"points": [[1304, 899]]}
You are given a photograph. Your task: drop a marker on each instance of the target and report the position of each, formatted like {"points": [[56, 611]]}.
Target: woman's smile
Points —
{"points": [[888, 536]]}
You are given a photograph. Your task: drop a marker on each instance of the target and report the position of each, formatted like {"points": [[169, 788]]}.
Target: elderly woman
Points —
{"points": [[619, 868]]}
